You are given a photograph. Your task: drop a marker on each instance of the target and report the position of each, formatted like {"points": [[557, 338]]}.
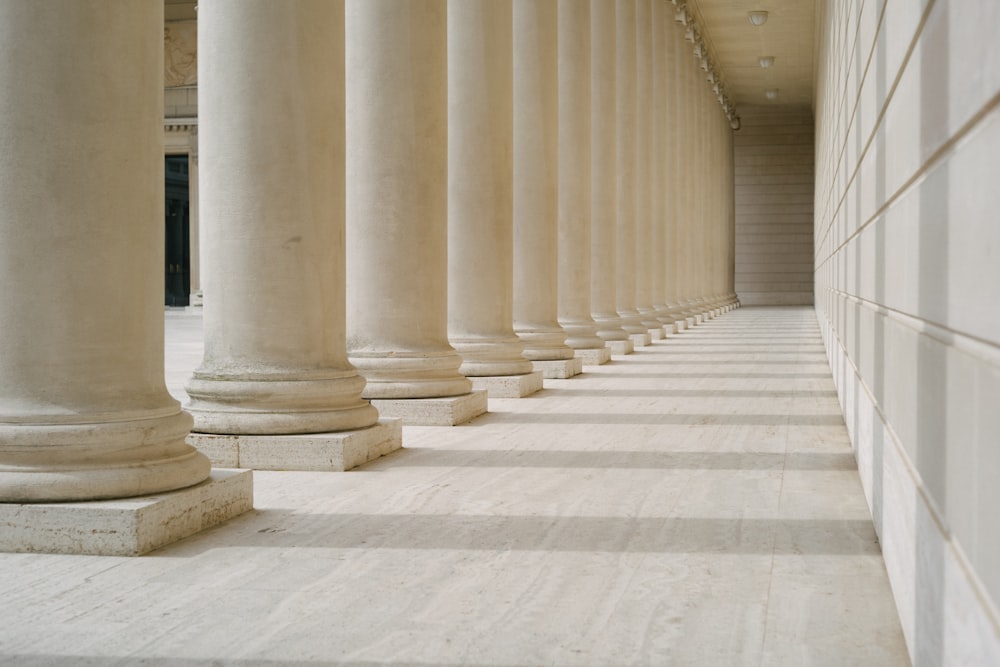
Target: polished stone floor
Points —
{"points": [[694, 503]]}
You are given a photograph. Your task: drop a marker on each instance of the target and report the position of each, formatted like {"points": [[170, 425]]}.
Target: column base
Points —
{"points": [[593, 356], [656, 334], [322, 452], [620, 346], [443, 411], [559, 369], [641, 340], [129, 526], [680, 325], [509, 386]]}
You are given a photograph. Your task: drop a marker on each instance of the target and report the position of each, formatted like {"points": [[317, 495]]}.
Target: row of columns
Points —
{"points": [[397, 200]]}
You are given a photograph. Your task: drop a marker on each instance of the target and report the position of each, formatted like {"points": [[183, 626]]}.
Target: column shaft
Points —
{"points": [[574, 176], [644, 163], [480, 188], [397, 235], [273, 222], [660, 122], [84, 412], [603, 173], [536, 181], [625, 138]]}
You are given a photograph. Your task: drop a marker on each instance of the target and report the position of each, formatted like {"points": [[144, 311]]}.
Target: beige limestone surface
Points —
{"points": [[536, 182], [696, 503]]}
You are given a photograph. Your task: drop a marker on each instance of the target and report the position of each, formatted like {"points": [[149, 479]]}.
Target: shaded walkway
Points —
{"points": [[696, 502]]}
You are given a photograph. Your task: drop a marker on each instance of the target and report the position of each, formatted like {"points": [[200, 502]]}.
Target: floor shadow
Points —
{"points": [[707, 419], [282, 529], [696, 393], [622, 460], [730, 376]]}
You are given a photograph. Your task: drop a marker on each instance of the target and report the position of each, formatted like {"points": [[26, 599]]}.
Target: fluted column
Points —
{"points": [[84, 412], [397, 205], [272, 222], [574, 176], [603, 175], [480, 194], [625, 138]]}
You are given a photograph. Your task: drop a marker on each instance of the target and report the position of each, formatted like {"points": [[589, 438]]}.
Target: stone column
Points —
{"points": [[480, 199], [272, 226], [536, 186], [687, 166], [574, 183], [397, 206], [644, 168], [603, 175], [660, 189], [672, 169], [625, 118], [84, 411]]}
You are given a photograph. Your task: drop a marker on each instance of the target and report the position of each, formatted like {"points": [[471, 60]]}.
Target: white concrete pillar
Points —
{"points": [[536, 186], [397, 205], [84, 411], [480, 198], [625, 138], [271, 159], [644, 167], [574, 182], [603, 296]]}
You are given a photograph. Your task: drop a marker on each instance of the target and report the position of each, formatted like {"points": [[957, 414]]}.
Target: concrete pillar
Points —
{"points": [[480, 198], [397, 205], [536, 185], [625, 138], [272, 227], [574, 182], [644, 167], [603, 175], [84, 411]]}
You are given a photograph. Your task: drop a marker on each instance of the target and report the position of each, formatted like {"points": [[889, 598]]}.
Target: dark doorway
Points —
{"points": [[177, 262]]}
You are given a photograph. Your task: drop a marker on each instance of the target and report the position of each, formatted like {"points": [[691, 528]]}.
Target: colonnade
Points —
{"points": [[404, 207]]}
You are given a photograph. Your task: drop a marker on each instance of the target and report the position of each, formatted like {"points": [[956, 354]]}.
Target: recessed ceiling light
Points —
{"points": [[758, 17], [771, 93], [766, 61]]}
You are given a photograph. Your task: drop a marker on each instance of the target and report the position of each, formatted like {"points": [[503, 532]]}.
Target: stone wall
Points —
{"points": [[774, 206], [907, 287]]}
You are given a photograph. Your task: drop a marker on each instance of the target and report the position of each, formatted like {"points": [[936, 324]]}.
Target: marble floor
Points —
{"points": [[693, 503]]}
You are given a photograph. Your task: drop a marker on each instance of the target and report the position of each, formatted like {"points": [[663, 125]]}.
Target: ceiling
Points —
{"points": [[737, 44], [734, 43]]}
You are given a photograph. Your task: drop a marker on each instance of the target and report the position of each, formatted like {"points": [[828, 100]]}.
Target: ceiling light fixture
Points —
{"points": [[766, 61], [771, 93], [758, 17]]}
